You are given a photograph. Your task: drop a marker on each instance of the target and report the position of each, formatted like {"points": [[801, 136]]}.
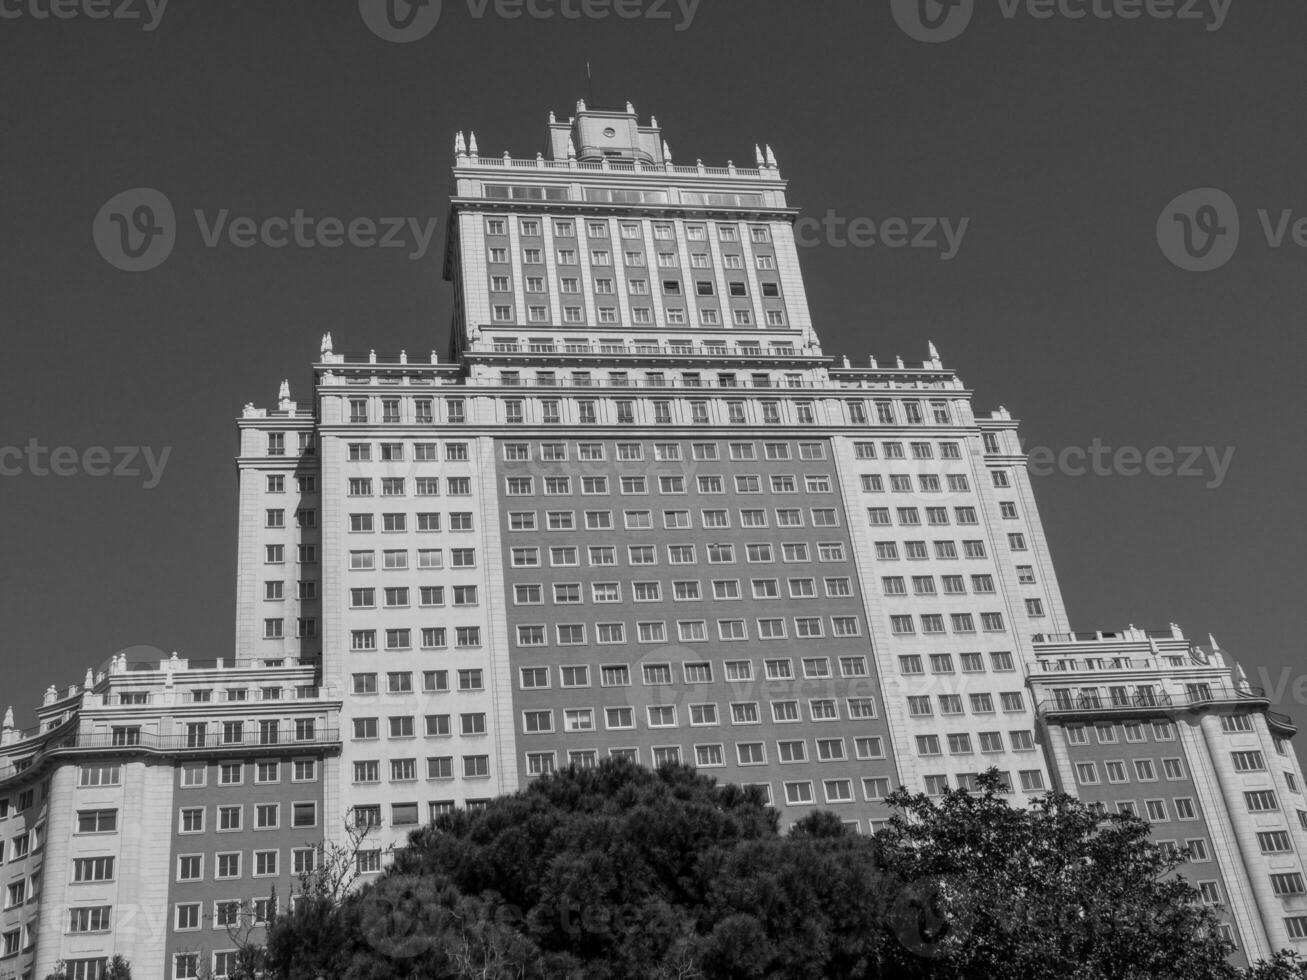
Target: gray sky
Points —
{"points": [[1061, 140]]}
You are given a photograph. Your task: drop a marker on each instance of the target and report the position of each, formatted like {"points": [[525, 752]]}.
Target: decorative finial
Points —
{"points": [[88, 681], [325, 349], [871, 361], [403, 357], [460, 144], [771, 157], [472, 145], [571, 148], [372, 356], [580, 105], [757, 155], [667, 152], [934, 354], [9, 717], [1212, 640], [899, 361], [435, 358], [283, 393], [630, 108], [552, 118], [653, 121]]}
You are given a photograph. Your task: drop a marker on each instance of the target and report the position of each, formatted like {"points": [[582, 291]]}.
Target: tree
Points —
{"points": [[1059, 890], [622, 872]]}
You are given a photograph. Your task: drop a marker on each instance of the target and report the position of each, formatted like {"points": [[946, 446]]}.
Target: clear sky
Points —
{"points": [[1061, 140]]}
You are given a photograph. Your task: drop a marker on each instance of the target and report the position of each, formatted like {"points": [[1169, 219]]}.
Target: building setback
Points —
{"points": [[633, 511]]}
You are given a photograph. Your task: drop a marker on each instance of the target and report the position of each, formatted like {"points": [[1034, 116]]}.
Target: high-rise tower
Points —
{"points": [[636, 510]]}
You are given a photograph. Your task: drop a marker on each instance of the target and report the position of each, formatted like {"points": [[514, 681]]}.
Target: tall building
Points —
{"points": [[638, 511], [634, 510]]}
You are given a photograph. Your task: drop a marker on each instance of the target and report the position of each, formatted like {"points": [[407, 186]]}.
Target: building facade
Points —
{"points": [[1147, 722], [157, 812], [634, 510]]}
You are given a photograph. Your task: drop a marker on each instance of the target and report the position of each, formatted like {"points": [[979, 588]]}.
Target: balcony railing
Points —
{"points": [[133, 742], [651, 349], [1081, 704], [614, 166]]}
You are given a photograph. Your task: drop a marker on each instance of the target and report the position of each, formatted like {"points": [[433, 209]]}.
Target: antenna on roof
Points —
{"points": [[590, 82]]}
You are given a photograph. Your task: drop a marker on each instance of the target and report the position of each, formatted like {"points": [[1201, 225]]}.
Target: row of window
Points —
{"points": [[689, 631], [433, 682], [538, 722], [435, 768], [917, 550], [691, 672], [629, 230], [709, 316], [266, 772], [643, 520], [933, 623], [398, 596], [943, 663], [554, 452], [911, 411], [232, 865], [362, 523], [401, 638], [470, 724], [230, 913], [921, 706], [1118, 771], [572, 593], [960, 743], [25, 800], [231, 817], [27, 843], [276, 483], [1134, 731]]}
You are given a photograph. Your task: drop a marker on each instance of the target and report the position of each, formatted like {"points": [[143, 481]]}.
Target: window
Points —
{"points": [[1274, 842], [1260, 801], [97, 821]]}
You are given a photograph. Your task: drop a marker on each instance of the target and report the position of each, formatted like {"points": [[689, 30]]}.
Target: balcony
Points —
{"points": [[1084, 706], [116, 744]]}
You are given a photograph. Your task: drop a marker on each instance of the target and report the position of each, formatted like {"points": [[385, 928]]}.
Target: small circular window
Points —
{"points": [[610, 132]]}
